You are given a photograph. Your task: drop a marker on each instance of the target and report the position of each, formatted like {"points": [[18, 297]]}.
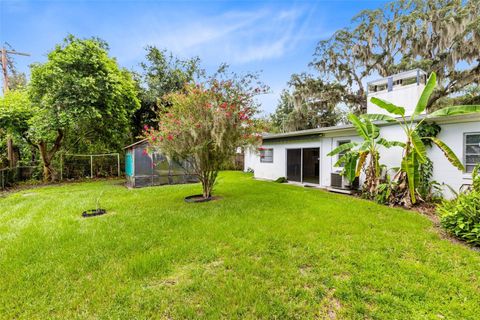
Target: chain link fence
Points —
{"points": [[9, 177], [67, 167], [80, 166]]}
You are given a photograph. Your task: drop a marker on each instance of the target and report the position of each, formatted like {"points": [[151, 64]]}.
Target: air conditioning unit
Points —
{"points": [[339, 182]]}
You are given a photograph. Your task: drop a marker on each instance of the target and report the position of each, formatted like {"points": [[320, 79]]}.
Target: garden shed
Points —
{"points": [[145, 168]]}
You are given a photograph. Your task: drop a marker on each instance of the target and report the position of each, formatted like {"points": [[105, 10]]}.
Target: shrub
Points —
{"points": [[476, 178], [461, 216], [281, 180], [205, 125]]}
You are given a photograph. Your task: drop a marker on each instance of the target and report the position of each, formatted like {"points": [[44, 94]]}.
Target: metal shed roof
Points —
{"points": [[136, 143]]}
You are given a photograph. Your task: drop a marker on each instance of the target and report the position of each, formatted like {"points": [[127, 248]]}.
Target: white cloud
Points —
{"points": [[276, 38], [235, 37]]}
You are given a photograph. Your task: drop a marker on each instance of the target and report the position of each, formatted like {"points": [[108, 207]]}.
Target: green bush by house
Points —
{"points": [[461, 216]]}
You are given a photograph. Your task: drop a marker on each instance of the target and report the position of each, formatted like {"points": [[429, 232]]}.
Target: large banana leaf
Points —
{"points": [[365, 146], [448, 153], [378, 117], [427, 92], [390, 107], [361, 161], [389, 144], [455, 110], [349, 170], [419, 147], [410, 167], [373, 130], [341, 161], [359, 125], [342, 147]]}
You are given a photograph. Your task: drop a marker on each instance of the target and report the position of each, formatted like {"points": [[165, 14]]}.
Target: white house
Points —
{"points": [[301, 156]]}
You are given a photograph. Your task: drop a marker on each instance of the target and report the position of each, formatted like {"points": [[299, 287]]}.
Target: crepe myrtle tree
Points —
{"points": [[414, 150], [205, 125]]}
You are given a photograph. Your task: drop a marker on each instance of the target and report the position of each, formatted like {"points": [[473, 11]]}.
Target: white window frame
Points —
{"points": [[339, 143], [465, 135], [263, 155]]}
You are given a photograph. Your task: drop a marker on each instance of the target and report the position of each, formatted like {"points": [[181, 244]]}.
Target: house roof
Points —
{"points": [[440, 120]]}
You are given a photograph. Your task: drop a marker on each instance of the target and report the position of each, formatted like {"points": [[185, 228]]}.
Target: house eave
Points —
{"points": [[465, 118]]}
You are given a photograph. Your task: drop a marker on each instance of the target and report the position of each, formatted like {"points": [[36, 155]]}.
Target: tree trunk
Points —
{"points": [[206, 186], [206, 191], [371, 178], [47, 156], [208, 180], [48, 172], [11, 153]]}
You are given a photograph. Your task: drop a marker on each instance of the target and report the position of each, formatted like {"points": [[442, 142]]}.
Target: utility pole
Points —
{"points": [[5, 62]]}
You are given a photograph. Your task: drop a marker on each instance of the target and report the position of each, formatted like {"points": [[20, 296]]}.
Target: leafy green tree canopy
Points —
{"points": [[15, 111], [311, 104], [163, 73], [440, 36], [79, 92]]}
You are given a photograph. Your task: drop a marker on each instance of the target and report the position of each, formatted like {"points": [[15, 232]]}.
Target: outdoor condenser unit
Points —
{"points": [[338, 181]]}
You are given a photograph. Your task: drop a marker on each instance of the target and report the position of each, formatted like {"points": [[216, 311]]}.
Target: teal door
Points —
{"points": [[129, 164]]}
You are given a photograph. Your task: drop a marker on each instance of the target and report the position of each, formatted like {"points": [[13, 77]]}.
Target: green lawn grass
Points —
{"points": [[265, 250]]}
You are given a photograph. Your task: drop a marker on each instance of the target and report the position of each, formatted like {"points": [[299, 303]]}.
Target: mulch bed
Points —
{"points": [[198, 198], [93, 213]]}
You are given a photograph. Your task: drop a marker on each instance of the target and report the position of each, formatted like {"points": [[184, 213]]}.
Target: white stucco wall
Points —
{"points": [[278, 168], [391, 157], [330, 142], [444, 172], [406, 97]]}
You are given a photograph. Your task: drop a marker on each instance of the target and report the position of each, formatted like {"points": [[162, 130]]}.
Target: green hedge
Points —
{"points": [[461, 216]]}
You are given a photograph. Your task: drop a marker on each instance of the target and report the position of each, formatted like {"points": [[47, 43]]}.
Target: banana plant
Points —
{"points": [[414, 150], [362, 156]]}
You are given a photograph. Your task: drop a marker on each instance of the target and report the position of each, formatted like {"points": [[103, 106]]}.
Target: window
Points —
{"points": [[471, 150], [377, 88], [266, 155], [341, 154]]}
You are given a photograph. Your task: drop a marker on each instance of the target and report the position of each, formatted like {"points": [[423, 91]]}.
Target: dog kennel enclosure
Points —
{"points": [[145, 168]]}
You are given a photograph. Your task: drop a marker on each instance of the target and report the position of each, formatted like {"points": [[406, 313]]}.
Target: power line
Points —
{"points": [[5, 60]]}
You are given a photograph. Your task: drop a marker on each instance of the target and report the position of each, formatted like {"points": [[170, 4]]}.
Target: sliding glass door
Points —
{"points": [[311, 165], [294, 165], [303, 165]]}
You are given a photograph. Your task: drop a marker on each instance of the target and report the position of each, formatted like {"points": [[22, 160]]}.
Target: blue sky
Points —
{"points": [[277, 38]]}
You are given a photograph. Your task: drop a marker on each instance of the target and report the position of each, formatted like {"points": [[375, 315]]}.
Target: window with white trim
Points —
{"points": [[266, 155], [341, 154], [471, 151]]}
